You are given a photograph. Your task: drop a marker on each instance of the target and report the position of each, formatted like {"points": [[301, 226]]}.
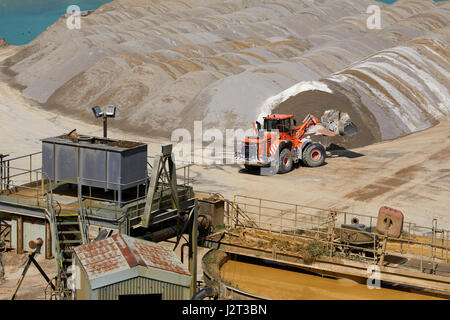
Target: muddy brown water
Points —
{"points": [[281, 284]]}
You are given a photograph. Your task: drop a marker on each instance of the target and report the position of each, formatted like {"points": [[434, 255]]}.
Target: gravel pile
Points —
{"points": [[168, 63]]}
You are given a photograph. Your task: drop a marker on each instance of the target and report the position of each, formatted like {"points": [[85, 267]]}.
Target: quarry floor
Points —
{"points": [[411, 173]]}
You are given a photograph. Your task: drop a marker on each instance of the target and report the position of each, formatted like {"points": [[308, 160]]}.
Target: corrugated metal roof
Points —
{"points": [[120, 253]]}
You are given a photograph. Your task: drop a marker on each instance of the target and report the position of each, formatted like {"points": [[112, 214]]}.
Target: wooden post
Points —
{"points": [[19, 234]]}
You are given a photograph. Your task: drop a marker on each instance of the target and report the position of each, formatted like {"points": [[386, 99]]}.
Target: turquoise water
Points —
{"points": [[23, 20]]}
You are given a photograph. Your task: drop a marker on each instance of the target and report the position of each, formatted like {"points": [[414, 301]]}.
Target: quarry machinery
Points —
{"points": [[88, 182], [281, 143]]}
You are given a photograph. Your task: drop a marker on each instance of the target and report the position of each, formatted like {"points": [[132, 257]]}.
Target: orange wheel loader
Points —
{"points": [[281, 142]]}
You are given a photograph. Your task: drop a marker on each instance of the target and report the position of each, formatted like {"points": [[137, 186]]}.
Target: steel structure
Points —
{"points": [[95, 162], [419, 257], [71, 205]]}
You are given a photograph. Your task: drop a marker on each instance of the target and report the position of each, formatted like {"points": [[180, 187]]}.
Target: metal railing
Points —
{"points": [[9, 168], [180, 165], [425, 244]]}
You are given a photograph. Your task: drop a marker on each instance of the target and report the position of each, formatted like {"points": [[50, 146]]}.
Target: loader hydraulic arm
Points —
{"points": [[309, 121]]}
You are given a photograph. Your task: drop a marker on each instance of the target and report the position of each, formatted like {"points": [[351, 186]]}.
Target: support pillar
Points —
{"points": [[19, 234], [48, 241], [193, 238]]}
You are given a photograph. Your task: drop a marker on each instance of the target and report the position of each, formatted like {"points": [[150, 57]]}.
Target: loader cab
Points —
{"points": [[280, 122]]}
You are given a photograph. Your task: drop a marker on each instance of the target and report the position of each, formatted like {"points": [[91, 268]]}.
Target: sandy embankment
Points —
{"points": [[23, 122], [166, 66]]}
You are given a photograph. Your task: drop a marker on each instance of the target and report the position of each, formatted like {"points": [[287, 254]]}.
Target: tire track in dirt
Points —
{"points": [[384, 185]]}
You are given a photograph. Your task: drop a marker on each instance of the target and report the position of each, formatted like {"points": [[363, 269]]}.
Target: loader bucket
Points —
{"points": [[339, 123]]}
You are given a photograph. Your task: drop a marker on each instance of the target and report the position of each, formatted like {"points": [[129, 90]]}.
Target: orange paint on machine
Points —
{"points": [[280, 143]]}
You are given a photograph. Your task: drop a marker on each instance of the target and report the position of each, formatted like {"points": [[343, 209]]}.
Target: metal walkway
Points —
{"points": [[418, 258]]}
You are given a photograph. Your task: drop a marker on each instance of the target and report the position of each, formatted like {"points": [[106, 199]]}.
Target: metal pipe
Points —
{"points": [[193, 238], [164, 234], [31, 168], [182, 251], [105, 126], [446, 248], [24, 156], [8, 175], [207, 292], [421, 257], [48, 241], [36, 245], [2, 169]]}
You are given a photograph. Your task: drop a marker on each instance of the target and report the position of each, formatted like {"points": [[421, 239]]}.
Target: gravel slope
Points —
{"points": [[168, 63]]}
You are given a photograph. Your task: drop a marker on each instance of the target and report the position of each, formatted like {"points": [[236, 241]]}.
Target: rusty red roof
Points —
{"points": [[121, 252]]}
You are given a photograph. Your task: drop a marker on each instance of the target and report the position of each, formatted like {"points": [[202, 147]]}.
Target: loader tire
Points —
{"points": [[285, 161], [314, 155], [248, 167]]}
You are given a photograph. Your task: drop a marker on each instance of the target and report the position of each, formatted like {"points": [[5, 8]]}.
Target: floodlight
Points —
{"points": [[97, 111], [111, 111]]}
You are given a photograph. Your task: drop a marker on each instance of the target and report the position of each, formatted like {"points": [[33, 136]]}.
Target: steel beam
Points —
{"points": [[19, 234], [339, 267], [48, 241], [193, 238]]}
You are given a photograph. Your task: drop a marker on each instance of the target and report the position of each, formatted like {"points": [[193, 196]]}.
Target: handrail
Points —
{"points": [[317, 208], [24, 156], [314, 227]]}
